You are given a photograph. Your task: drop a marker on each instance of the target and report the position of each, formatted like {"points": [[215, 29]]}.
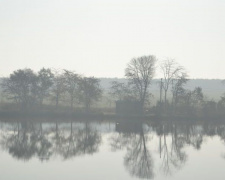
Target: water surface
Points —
{"points": [[112, 150]]}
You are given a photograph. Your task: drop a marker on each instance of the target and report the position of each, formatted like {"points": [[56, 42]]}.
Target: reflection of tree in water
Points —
{"points": [[120, 141], [67, 146], [173, 138], [20, 144], [43, 143], [81, 140], [88, 140], [220, 129], [58, 139], [137, 160], [173, 157], [221, 132], [28, 140], [194, 135]]}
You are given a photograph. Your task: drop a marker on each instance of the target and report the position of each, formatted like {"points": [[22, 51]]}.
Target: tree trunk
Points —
{"points": [[165, 100]]}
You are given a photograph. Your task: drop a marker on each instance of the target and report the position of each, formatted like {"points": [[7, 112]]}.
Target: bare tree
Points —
{"points": [[171, 71], [140, 72]]}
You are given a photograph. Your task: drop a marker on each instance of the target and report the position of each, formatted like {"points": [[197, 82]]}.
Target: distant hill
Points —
{"points": [[212, 88]]}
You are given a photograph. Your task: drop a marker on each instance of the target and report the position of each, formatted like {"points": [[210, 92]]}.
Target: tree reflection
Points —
{"points": [[172, 155], [26, 140], [20, 144], [138, 159], [81, 140], [43, 144], [58, 139]]}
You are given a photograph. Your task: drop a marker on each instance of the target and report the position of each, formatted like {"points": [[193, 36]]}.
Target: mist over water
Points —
{"points": [[112, 90]]}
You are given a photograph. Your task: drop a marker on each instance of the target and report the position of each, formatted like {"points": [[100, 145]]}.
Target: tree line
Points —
{"points": [[140, 72], [31, 89]]}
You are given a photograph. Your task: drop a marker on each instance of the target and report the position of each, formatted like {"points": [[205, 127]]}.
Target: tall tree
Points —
{"points": [[58, 89], [140, 72], [171, 71], [90, 91], [71, 82], [44, 83]]}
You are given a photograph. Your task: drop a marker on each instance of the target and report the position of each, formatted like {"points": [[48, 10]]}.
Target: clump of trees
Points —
{"points": [[175, 98], [31, 90]]}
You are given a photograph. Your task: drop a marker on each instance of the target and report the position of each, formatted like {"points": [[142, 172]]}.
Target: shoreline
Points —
{"points": [[81, 116]]}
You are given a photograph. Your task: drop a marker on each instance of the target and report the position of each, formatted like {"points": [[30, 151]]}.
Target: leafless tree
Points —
{"points": [[140, 72], [171, 70]]}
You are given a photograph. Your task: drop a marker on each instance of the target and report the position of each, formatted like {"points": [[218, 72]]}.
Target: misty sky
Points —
{"points": [[99, 37]]}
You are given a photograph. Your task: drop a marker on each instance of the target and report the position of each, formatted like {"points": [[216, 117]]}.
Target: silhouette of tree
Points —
{"points": [[90, 91], [59, 87], [71, 83], [171, 70], [194, 100], [20, 87], [140, 72], [44, 83]]}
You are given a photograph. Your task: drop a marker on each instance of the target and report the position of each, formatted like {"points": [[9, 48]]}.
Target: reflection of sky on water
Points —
{"points": [[108, 150]]}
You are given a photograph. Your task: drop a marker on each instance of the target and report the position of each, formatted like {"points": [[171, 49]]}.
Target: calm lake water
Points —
{"points": [[106, 150]]}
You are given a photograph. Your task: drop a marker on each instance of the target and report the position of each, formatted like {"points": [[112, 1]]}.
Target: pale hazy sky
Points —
{"points": [[99, 37]]}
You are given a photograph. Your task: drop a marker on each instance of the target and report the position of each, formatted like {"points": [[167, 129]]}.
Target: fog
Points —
{"points": [[96, 37], [112, 89]]}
